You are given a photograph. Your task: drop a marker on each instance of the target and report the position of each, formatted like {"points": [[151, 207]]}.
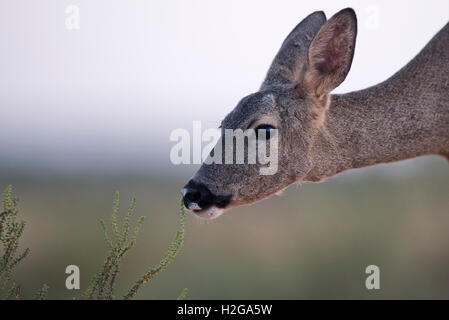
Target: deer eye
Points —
{"points": [[267, 128]]}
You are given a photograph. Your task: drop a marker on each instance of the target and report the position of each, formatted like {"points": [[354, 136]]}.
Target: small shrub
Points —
{"points": [[118, 239], [119, 243], [10, 256]]}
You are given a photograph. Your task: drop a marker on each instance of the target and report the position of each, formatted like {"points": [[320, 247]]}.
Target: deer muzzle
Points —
{"points": [[198, 198]]}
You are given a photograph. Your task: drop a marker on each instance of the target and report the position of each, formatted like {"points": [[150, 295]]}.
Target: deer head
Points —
{"points": [[293, 99]]}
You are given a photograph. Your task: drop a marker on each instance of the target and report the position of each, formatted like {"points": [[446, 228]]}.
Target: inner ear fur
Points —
{"points": [[330, 54]]}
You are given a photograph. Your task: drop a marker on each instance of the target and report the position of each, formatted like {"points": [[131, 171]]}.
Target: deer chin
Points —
{"points": [[209, 213]]}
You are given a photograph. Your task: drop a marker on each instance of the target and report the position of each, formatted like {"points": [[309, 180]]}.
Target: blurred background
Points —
{"points": [[87, 107]]}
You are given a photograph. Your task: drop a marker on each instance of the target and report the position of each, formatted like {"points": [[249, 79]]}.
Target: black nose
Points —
{"points": [[198, 197]]}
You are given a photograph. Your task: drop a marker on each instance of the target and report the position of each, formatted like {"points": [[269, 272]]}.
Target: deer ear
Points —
{"points": [[288, 65], [330, 53]]}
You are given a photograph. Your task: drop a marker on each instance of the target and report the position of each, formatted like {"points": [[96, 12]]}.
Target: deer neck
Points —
{"points": [[363, 129], [375, 126]]}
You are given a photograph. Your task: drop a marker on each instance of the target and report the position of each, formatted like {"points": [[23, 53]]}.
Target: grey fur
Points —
{"points": [[321, 134]]}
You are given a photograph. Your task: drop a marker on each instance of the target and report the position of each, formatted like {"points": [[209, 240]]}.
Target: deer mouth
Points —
{"points": [[201, 201], [209, 213]]}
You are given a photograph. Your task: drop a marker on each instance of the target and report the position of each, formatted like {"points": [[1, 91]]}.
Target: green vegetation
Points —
{"points": [[169, 256], [183, 294], [10, 232], [120, 242]]}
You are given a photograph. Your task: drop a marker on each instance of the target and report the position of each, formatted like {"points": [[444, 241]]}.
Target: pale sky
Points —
{"points": [[112, 91]]}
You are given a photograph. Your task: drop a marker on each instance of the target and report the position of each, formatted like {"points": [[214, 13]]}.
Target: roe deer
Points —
{"points": [[321, 135]]}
